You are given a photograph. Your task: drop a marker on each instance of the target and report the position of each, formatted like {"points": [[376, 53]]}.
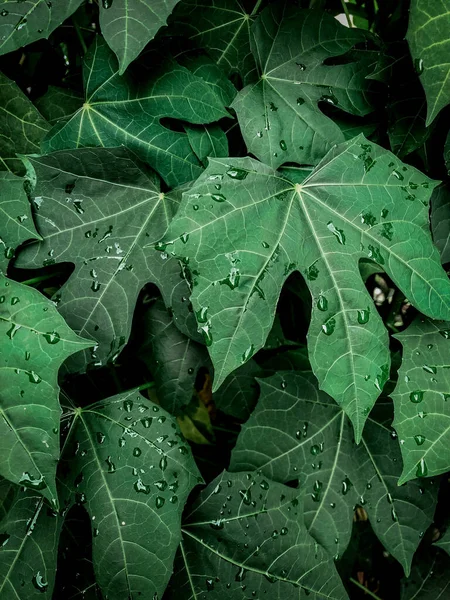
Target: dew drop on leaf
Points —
{"points": [[419, 439], [416, 396]]}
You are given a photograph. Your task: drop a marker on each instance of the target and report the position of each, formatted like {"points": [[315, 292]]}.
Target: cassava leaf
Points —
{"points": [[279, 115], [238, 394], [98, 208], [127, 463], [440, 220], [35, 342], [444, 543], [16, 222], [206, 141], [422, 413], [244, 530], [129, 26], [21, 126], [429, 577], [359, 202], [429, 44], [222, 28], [173, 359], [128, 111], [58, 103], [298, 432], [25, 21], [29, 534]]}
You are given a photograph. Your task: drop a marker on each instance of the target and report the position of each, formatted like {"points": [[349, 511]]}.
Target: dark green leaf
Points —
{"points": [[429, 578], [58, 103], [440, 221]]}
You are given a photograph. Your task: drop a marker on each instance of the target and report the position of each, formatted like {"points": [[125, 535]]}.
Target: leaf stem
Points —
{"points": [[146, 386], [256, 8], [347, 14], [367, 591], [35, 280], [80, 35]]}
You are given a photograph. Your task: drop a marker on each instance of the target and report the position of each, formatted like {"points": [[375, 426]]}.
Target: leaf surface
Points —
{"points": [[129, 26], [98, 208], [21, 126], [35, 342], [16, 221], [298, 432], [128, 111], [279, 115], [29, 534], [23, 22], [244, 530], [127, 463], [58, 103], [359, 202], [440, 220], [429, 45], [422, 413]]}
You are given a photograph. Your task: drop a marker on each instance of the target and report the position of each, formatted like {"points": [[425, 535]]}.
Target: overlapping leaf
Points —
{"points": [[35, 342], [359, 202], [16, 222], [58, 103], [128, 111], [444, 543], [25, 21], [222, 28], [430, 577], [440, 220], [298, 432], [21, 126], [245, 532], [98, 208], [129, 26], [279, 115], [422, 410], [127, 463], [429, 43], [26, 524]]}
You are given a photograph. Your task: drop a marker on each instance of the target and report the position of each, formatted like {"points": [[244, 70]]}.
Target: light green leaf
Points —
{"points": [[429, 44], [25, 21], [245, 530], [359, 202], [16, 222], [21, 126], [58, 103], [127, 111], [422, 413], [129, 26], [35, 342], [98, 208], [222, 28], [127, 463], [207, 141], [440, 220], [29, 534], [173, 359], [298, 432], [279, 115]]}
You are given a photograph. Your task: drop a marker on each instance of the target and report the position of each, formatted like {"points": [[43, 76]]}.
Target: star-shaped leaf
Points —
{"points": [[35, 342], [98, 208], [126, 461], [421, 399], [279, 115], [128, 111], [359, 202], [298, 432]]}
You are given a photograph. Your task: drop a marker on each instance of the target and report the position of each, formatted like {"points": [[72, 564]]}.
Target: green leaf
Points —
{"points": [[129, 26], [23, 22], [440, 221], [222, 28], [244, 530], [279, 115], [359, 202], [35, 342], [422, 413], [22, 127], [444, 543], [238, 394], [58, 103], [173, 359], [128, 111], [29, 534], [98, 208], [207, 141], [16, 222], [127, 463], [429, 45], [429, 577], [298, 432]]}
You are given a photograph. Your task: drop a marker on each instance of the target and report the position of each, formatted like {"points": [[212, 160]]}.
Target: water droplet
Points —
{"points": [[100, 437], [52, 337], [232, 280], [429, 369], [248, 353], [107, 4], [4, 537], [240, 575], [445, 334], [272, 107], [329, 98], [368, 219], [21, 24], [315, 450], [137, 452], [375, 254], [283, 145], [236, 173], [363, 316], [329, 326], [218, 197], [163, 463], [9, 252], [159, 502], [300, 101], [416, 396], [264, 485], [338, 233], [398, 175], [4, 13], [422, 469], [322, 303], [246, 496], [13, 330], [111, 465], [346, 485], [418, 65], [39, 582], [34, 483], [95, 286], [184, 237], [33, 377], [419, 439]]}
